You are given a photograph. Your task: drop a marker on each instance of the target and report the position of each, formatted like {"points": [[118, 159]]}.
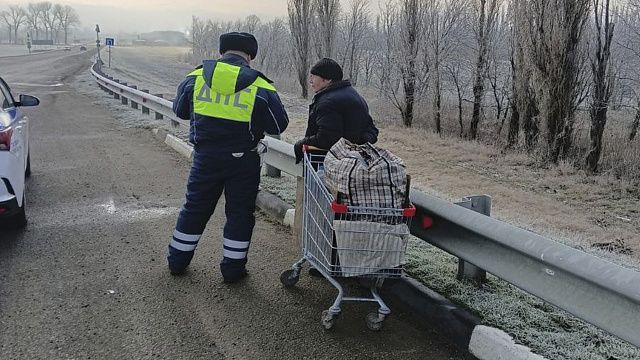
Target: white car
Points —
{"points": [[14, 157]]}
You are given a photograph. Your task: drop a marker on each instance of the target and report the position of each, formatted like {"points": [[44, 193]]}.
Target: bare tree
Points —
{"points": [[518, 73], [371, 55], [454, 71], [410, 31], [524, 102], [271, 37], [498, 70], [47, 18], [553, 38], [326, 13], [251, 24], [67, 18], [33, 18], [4, 16], [443, 23], [299, 12], [387, 42], [603, 79], [514, 120], [205, 37], [198, 43], [356, 25], [487, 14], [14, 18], [628, 40]]}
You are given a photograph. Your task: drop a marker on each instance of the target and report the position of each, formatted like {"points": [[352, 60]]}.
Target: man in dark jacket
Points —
{"points": [[230, 106], [337, 111]]}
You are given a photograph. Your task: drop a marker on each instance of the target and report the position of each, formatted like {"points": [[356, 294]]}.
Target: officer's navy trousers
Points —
{"points": [[212, 173]]}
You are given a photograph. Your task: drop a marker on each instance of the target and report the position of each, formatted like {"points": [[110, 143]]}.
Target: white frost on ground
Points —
{"points": [[284, 187], [17, 50], [86, 84], [13, 50], [547, 330]]}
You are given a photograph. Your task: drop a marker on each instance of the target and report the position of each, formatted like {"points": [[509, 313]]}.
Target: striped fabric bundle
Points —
{"points": [[365, 175]]}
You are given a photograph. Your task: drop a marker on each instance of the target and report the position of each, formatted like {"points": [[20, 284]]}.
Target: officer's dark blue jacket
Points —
{"points": [[215, 134]]}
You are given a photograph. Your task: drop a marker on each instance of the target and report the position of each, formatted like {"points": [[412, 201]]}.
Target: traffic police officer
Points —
{"points": [[230, 107]]}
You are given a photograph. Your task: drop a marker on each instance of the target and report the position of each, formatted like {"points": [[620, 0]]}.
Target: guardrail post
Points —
{"points": [[123, 99], [106, 88], [115, 94], [466, 270], [159, 116], [145, 110], [134, 105], [270, 170]]}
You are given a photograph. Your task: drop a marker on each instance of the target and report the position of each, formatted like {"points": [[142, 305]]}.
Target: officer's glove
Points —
{"points": [[297, 149]]}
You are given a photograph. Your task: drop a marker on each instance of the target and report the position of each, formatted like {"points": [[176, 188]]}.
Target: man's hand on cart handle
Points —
{"points": [[299, 148], [312, 148]]}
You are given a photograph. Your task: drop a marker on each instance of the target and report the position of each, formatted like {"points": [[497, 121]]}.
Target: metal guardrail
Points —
{"points": [[600, 292]]}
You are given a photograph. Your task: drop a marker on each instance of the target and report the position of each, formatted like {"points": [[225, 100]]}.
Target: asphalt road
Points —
{"points": [[87, 278]]}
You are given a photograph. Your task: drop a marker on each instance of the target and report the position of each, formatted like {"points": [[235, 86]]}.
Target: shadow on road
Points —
{"points": [[9, 238]]}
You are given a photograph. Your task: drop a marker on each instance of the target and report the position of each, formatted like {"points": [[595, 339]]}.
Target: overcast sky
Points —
{"points": [[146, 15]]}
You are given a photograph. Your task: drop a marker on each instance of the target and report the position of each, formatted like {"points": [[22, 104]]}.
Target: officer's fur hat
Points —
{"points": [[239, 41]]}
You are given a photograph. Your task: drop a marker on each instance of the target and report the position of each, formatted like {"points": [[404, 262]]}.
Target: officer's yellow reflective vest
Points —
{"points": [[221, 100]]}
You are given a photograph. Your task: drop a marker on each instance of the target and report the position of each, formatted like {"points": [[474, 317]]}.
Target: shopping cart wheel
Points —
{"points": [[327, 319], [375, 321], [289, 277]]}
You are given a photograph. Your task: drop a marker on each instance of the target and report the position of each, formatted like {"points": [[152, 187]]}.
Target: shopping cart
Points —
{"points": [[346, 241]]}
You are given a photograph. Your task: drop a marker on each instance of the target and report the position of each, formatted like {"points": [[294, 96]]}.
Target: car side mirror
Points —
{"points": [[28, 100]]}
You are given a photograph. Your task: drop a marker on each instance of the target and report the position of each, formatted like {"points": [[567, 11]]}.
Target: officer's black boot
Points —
{"points": [[233, 270], [178, 260]]}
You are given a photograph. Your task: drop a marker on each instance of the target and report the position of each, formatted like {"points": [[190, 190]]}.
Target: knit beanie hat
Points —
{"points": [[328, 69], [239, 41]]}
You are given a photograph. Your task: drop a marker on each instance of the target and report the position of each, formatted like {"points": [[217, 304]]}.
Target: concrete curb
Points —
{"points": [[274, 206], [454, 322], [180, 146]]}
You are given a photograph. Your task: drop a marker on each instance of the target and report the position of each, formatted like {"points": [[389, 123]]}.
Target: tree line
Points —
{"points": [[43, 20], [528, 73]]}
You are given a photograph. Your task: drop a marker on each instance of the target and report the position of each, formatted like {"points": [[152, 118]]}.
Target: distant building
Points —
{"points": [[165, 38]]}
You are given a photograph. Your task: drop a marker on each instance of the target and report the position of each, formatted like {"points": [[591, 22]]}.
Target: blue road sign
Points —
{"points": [[109, 41]]}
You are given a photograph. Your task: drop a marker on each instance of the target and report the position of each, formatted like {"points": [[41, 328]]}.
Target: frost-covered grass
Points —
{"points": [[86, 84], [13, 50], [547, 330], [284, 187]]}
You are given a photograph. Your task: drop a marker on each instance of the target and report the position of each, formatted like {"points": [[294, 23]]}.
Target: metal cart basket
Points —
{"points": [[347, 241]]}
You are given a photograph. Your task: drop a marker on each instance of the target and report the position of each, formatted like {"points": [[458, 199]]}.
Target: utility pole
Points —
{"points": [[98, 42], [29, 42]]}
